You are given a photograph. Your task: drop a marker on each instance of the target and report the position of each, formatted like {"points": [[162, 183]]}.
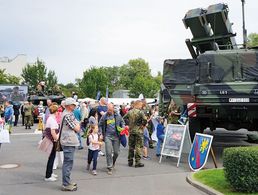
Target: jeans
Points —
{"points": [[50, 162], [16, 118], [159, 144], [112, 144], [67, 164], [93, 155]]}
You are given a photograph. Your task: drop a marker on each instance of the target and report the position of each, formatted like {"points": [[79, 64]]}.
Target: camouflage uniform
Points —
{"points": [[28, 115], [136, 117]]}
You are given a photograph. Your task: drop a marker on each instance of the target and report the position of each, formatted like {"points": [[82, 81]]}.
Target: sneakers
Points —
{"points": [[139, 165], [109, 172], [101, 153], [70, 187], [146, 157], [54, 175], [94, 172], [50, 179], [130, 164], [80, 148]]}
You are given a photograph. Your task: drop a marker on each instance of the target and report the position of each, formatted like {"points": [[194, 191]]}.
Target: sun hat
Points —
{"points": [[70, 101]]}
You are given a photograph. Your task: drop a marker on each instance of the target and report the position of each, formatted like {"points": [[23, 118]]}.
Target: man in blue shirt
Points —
{"points": [[8, 114], [77, 114]]}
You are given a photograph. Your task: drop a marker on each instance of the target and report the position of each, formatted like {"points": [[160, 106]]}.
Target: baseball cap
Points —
{"points": [[70, 101], [92, 121]]}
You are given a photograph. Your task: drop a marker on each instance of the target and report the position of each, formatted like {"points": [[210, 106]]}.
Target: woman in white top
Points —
{"points": [[51, 132]]}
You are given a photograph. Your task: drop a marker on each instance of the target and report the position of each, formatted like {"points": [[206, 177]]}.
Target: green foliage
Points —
{"points": [[215, 179], [93, 80], [145, 85], [34, 73], [135, 76], [241, 168], [252, 40], [6, 78], [69, 88]]}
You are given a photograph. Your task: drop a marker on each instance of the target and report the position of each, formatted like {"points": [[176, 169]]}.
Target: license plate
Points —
{"points": [[233, 100]]}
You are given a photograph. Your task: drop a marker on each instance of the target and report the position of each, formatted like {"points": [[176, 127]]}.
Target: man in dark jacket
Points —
{"points": [[16, 109], [108, 125]]}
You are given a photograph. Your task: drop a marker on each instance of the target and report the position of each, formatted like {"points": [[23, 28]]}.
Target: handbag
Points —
{"points": [[46, 145], [58, 143], [4, 135]]}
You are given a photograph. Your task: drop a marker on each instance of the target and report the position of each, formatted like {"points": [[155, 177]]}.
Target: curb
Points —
{"points": [[201, 186]]}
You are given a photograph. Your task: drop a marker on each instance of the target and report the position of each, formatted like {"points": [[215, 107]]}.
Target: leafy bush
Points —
{"points": [[241, 168]]}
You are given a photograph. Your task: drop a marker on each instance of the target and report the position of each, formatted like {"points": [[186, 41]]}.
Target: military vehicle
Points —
{"points": [[41, 95], [219, 85]]}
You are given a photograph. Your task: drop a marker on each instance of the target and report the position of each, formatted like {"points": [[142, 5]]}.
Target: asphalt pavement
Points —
{"points": [[28, 177]]}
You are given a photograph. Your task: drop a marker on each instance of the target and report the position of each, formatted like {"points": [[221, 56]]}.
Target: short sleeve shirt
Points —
{"points": [[51, 124]]}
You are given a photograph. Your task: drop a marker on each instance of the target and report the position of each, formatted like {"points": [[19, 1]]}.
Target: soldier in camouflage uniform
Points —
{"points": [[137, 121]]}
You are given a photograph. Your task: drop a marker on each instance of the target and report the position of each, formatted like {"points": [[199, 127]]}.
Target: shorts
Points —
{"points": [[146, 143]]}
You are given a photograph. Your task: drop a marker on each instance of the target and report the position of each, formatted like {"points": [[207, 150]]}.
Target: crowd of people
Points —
{"points": [[68, 123]]}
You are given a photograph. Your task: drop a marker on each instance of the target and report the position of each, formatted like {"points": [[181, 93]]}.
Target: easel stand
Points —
{"points": [[185, 143]]}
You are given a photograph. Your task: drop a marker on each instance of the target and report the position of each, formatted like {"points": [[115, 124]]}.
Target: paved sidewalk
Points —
{"points": [[28, 179]]}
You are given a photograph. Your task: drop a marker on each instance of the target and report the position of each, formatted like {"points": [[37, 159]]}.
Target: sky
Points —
{"points": [[71, 36]]}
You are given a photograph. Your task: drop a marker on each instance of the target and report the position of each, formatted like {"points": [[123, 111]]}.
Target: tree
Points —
{"points": [[144, 85], [51, 80], [37, 72], [94, 80], [135, 67], [252, 40], [6, 78]]}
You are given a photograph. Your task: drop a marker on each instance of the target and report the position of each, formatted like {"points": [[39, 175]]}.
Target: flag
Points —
{"points": [[98, 95], [107, 94]]}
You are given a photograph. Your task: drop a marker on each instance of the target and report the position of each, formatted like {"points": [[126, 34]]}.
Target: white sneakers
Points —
{"points": [[54, 175], [52, 178]]}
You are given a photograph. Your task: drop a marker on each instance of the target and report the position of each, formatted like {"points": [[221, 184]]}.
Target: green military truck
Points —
{"points": [[219, 85]]}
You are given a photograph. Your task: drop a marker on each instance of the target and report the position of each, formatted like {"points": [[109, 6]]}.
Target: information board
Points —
{"points": [[15, 93], [175, 137]]}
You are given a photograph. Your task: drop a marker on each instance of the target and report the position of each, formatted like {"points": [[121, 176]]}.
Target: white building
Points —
{"points": [[13, 66], [121, 93]]}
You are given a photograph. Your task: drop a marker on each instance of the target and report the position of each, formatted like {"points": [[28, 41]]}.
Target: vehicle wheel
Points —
{"points": [[194, 127]]}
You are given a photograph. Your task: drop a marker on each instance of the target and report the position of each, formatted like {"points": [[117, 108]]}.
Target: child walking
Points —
{"points": [[93, 149]]}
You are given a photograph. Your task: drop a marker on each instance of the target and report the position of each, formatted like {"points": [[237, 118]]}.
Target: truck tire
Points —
{"points": [[194, 127]]}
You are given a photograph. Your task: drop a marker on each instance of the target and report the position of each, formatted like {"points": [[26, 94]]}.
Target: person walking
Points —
{"points": [[108, 125], [52, 133], [69, 141], [93, 149], [137, 122]]}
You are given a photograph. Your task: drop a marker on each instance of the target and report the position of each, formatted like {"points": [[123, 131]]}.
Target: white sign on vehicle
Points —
{"points": [[239, 100]]}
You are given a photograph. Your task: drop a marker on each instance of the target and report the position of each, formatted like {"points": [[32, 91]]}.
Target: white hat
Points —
{"points": [[70, 101]]}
